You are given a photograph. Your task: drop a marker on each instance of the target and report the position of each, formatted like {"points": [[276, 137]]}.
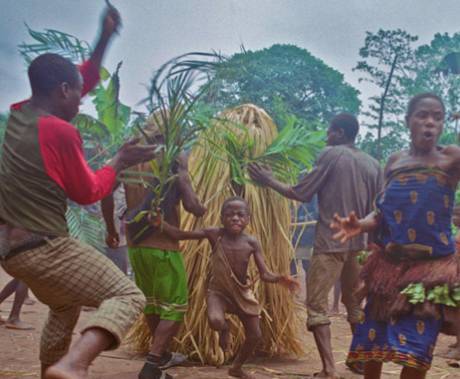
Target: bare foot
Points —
{"points": [[224, 337], [63, 371], [325, 375], [239, 373], [18, 325], [2, 321]]}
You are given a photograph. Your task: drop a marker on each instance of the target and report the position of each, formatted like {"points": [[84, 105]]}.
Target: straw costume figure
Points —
{"points": [[212, 178]]}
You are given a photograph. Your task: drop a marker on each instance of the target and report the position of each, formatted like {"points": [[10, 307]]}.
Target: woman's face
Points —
{"points": [[426, 123]]}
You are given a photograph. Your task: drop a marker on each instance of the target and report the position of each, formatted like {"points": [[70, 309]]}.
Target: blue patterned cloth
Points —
{"points": [[408, 341], [416, 209]]}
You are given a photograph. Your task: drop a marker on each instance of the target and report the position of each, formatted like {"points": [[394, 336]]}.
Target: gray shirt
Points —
{"points": [[345, 179]]}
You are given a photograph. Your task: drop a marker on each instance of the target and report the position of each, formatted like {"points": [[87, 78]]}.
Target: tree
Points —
{"points": [[283, 77], [432, 76], [3, 121], [388, 63]]}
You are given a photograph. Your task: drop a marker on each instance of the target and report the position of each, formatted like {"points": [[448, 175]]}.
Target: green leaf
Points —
{"points": [[440, 295], [415, 293], [85, 226]]}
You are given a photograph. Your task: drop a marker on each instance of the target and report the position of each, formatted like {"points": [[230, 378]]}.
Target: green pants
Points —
{"points": [[161, 276]]}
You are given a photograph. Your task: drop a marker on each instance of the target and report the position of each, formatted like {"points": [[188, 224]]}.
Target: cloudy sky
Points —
{"points": [[156, 30]]}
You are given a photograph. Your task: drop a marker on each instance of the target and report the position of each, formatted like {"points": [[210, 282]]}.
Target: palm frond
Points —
{"points": [[85, 226], [294, 149], [54, 41]]}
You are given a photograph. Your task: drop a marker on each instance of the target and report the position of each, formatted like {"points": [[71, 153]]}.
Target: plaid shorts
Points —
{"points": [[65, 275]]}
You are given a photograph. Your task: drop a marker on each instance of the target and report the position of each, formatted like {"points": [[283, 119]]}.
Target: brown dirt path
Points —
{"points": [[19, 355]]}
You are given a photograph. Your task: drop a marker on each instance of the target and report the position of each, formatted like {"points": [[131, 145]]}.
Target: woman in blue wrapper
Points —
{"points": [[412, 278]]}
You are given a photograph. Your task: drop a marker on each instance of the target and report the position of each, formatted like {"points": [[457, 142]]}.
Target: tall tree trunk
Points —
{"points": [[382, 104]]}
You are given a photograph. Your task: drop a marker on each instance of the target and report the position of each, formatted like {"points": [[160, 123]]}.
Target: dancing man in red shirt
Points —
{"points": [[42, 165]]}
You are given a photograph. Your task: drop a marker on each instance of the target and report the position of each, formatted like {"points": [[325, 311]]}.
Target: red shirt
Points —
{"points": [[62, 152], [42, 165]]}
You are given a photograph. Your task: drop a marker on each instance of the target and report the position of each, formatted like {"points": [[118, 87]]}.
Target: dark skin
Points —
{"points": [[238, 247], [20, 290], [188, 196], [425, 125], [63, 102], [263, 176], [162, 331]]}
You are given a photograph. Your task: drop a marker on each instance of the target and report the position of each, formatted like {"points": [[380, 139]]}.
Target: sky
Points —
{"points": [[157, 30]]}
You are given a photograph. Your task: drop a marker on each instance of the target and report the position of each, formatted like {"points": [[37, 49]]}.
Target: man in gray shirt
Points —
{"points": [[345, 179]]}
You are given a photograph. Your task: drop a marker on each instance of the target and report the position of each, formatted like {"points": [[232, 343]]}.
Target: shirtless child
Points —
{"points": [[228, 289]]}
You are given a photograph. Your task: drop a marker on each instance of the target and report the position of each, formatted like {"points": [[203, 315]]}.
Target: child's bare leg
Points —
{"points": [[74, 365], [372, 370], [9, 289], [14, 322], [253, 335], [217, 321], [412, 373]]}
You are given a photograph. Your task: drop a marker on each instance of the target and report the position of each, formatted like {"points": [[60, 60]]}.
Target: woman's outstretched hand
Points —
{"points": [[346, 227]]}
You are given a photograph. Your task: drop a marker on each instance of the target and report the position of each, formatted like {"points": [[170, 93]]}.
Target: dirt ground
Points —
{"points": [[19, 355]]}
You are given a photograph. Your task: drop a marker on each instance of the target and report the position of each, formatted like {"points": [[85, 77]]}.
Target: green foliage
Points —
{"points": [[430, 78], [110, 111], [85, 226], [283, 74], [442, 294], [3, 122], [421, 69], [292, 151], [176, 112], [362, 257], [378, 54], [54, 41], [103, 134], [415, 293]]}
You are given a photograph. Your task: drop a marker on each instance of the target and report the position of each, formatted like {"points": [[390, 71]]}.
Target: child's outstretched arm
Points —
{"points": [[351, 226], [179, 235], [266, 275]]}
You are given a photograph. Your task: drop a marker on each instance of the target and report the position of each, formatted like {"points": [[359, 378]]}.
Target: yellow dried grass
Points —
{"points": [[270, 222]]}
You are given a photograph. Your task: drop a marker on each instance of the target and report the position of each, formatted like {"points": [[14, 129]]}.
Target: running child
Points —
{"points": [[229, 289]]}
